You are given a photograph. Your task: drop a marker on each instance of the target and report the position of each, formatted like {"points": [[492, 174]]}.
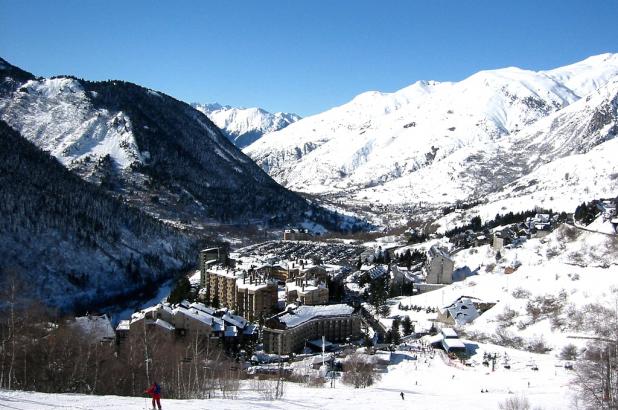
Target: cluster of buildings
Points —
{"points": [[253, 292], [187, 320]]}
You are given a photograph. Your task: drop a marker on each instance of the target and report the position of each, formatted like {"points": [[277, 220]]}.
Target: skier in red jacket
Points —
{"points": [[155, 392]]}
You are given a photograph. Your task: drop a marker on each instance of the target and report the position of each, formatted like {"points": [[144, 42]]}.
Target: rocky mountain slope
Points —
{"points": [[436, 143], [67, 242], [244, 126], [155, 152]]}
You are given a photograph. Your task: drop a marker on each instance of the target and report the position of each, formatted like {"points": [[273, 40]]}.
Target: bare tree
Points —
{"points": [[516, 403], [359, 371]]}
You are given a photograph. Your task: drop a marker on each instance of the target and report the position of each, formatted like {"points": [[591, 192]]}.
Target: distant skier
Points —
{"points": [[402, 396], [155, 392]]}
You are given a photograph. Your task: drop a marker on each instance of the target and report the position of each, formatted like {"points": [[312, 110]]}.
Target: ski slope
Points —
{"points": [[435, 385]]}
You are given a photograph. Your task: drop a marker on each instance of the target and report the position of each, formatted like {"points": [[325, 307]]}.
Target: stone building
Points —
{"points": [[439, 266], [251, 294], [307, 286], [289, 331], [255, 296], [306, 292], [210, 257]]}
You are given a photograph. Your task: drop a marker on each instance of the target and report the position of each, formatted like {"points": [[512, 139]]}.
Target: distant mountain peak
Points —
{"points": [[243, 126]]}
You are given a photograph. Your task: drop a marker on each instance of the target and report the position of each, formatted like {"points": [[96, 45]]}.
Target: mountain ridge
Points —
{"points": [[154, 151], [378, 146]]}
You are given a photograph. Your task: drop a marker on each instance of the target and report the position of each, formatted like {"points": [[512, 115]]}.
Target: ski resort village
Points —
{"points": [[479, 316], [292, 205]]}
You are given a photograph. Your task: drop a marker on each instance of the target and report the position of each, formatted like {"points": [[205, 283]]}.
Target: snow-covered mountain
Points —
{"points": [[244, 126], [436, 143], [156, 152]]}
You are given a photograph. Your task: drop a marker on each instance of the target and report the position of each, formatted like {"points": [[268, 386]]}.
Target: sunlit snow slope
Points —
{"points": [[432, 142], [244, 126]]}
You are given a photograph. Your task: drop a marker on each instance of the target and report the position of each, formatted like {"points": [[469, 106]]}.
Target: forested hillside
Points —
{"points": [[67, 241]]}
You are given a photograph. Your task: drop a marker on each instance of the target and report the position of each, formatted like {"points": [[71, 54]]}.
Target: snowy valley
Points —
{"points": [[487, 281]]}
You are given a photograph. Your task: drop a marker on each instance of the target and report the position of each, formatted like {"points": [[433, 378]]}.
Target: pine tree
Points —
{"points": [[407, 326], [395, 333]]}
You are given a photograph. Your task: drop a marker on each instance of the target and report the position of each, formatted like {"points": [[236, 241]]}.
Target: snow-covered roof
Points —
{"points": [[250, 329], [234, 320], [448, 332], [253, 286], [194, 314], [306, 313], [463, 311], [453, 344], [123, 325], [311, 286], [436, 251], [202, 307], [377, 271], [165, 325]]}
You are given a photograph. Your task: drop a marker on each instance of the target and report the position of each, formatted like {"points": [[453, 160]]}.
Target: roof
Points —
{"points": [[250, 329], [195, 314], [435, 251], [463, 311], [377, 271], [302, 314], [449, 332], [202, 307], [453, 344], [165, 325], [234, 320], [123, 325]]}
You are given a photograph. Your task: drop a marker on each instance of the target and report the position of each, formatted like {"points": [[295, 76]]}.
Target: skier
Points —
{"points": [[155, 392], [402, 398]]}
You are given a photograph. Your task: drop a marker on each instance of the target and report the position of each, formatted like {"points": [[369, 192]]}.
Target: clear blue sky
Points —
{"points": [[302, 57]]}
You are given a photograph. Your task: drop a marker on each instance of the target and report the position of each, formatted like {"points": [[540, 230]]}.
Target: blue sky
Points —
{"points": [[302, 57]]}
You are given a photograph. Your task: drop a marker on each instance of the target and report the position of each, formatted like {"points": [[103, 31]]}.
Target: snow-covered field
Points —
{"points": [[574, 272], [432, 385]]}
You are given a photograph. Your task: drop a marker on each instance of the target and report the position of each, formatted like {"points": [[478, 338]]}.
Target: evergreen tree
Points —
{"points": [[388, 337], [395, 333], [407, 326], [181, 291]]}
